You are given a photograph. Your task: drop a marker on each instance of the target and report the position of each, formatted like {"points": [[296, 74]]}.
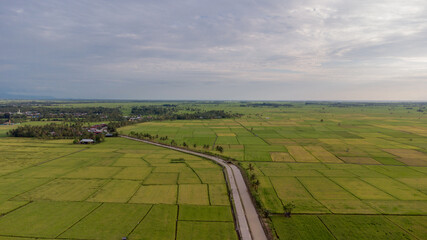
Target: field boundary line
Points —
{"points": [[17, 195], [194, 172], [312, 194], [140, 221], [370, 184], [72, 225], [255, 135], [46, 161], [339, 185], [177, 196], [274, 189], [329, 230], [99, 189], [400, 227], [177, 217], [391, 178], [23, 205], [209, 194], [214, 142], [141, 183]]}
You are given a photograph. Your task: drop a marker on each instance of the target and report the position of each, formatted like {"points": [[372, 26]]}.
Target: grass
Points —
{"points": [[396, 189], [164, 194], [218, 194], [301, 227], [94, 172], [363, 227], [209, 176], [161, 178], [44, 219], [63, 190], [115, 191], [345, 206], [205, 213], [415, 225], [193, 194], [361, 189], [53, 189], [281, 157], [206, 230], [133, 173], [358, 163], [300, 154], [323, 188], [159, 224], [7, 206], [109, 221]]}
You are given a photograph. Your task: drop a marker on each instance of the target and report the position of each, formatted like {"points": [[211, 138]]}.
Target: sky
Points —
{"points": [[214, 50]]}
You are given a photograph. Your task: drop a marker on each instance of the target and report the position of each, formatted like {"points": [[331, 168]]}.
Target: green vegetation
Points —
{"points": [[58, 190], [352, 171], [325, 158]]}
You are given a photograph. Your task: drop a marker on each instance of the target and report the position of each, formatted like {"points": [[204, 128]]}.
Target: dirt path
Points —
{"points": [[248, 222]]}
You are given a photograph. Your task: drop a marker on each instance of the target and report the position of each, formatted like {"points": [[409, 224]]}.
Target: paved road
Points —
{"points": [[248, 222]]}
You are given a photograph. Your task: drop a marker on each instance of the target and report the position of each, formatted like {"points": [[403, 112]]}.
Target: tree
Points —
{"points": [[287, 209], [219, 149], [250, 167], [252, 177], [255, 184]]}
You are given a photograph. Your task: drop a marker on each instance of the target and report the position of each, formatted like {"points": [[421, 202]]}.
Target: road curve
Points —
{"points": [[248, 222]]}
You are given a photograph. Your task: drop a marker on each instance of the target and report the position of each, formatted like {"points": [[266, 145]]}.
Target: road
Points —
{"points": [[248, 221]]}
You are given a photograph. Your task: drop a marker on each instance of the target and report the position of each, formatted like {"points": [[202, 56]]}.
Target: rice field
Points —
{"points": [[352, 172], [116, 189]]}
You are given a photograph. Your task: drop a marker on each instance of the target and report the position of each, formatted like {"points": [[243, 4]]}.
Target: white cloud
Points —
{"points": [[339, 44]]}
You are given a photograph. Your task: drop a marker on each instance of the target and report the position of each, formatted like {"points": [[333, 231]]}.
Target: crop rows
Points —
{"points": [[109, 191]]}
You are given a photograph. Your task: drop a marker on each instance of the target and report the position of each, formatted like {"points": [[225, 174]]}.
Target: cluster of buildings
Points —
{"points": [[96, 129], [18, 114]]}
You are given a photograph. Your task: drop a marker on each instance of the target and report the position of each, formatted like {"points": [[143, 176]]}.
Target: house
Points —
{"points": [[86, 141]]}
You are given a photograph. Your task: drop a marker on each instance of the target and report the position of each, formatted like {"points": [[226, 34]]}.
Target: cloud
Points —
{"points": [[240, 49]]}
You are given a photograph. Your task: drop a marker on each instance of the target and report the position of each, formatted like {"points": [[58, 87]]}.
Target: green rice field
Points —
{"points": [[352, 172], [52, 189]]}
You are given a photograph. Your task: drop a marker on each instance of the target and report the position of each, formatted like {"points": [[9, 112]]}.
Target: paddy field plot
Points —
{"points": [[206, 230], [110, 190], [363, 227], [159, 223], [165, 194], [108, 221]]}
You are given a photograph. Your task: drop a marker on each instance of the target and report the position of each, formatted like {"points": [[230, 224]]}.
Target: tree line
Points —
{"points": [[171, 112], [64, 130]]}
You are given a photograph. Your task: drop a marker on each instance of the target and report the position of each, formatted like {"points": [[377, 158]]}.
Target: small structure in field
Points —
{"points": [[86, 141]]}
